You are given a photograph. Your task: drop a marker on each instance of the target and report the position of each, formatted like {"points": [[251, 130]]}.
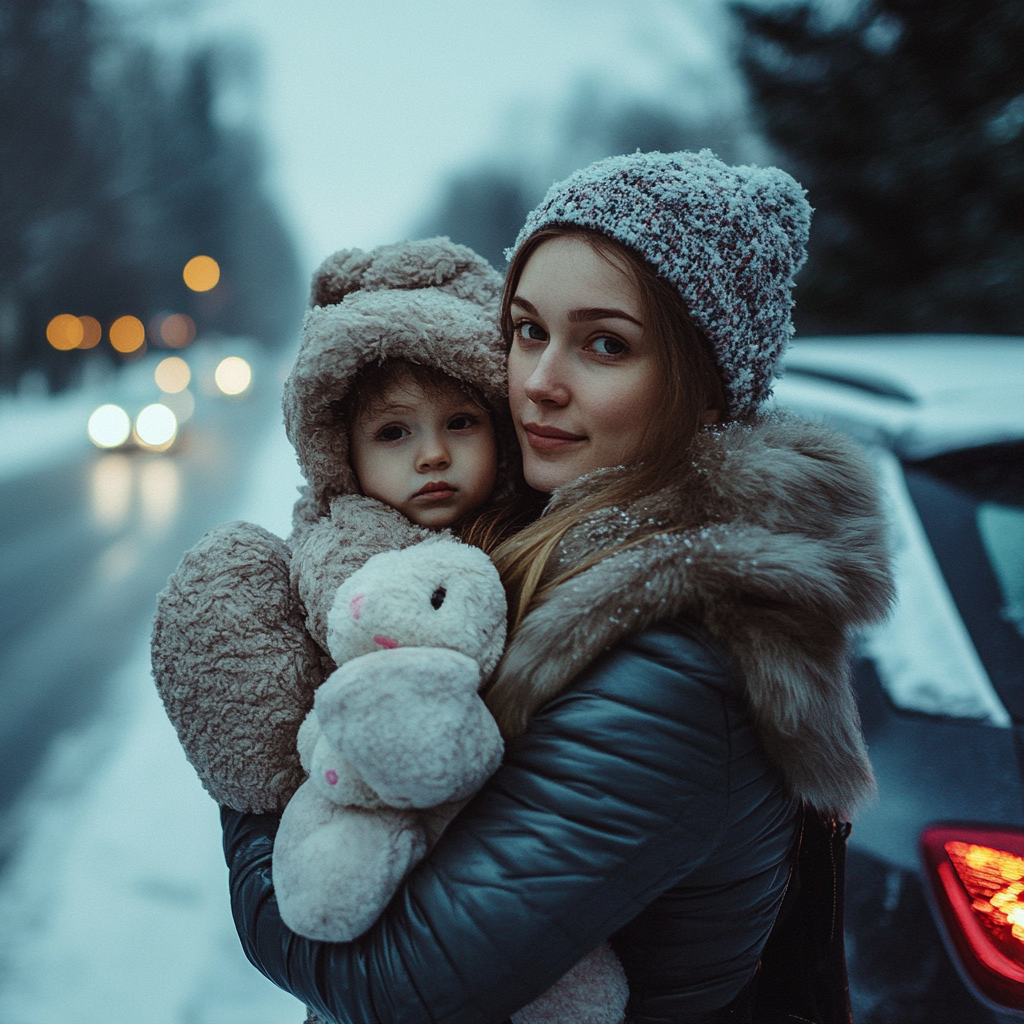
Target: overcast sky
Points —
{"points": [[367, 105]]}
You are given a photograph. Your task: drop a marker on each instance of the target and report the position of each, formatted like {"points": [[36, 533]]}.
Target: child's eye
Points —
{"points": [[605, 346], [463, 421], [529, 331], [392, 432]]}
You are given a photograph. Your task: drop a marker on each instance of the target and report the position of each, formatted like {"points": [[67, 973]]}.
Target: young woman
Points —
{"points": [[675, 690]]}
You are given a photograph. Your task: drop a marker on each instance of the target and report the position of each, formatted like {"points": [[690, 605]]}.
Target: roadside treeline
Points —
{"points": [[904, 119], [905, 122], [115, 170]]}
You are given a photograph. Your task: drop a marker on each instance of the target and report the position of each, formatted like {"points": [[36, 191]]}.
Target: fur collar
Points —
{"points": [[774, 541]]}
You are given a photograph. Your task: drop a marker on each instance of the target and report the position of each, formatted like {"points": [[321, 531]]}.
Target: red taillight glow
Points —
{"points": [[977, 879]]}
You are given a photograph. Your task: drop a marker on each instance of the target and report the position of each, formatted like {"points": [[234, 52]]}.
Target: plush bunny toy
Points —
{"points": [[398, 729], [397, 740]]}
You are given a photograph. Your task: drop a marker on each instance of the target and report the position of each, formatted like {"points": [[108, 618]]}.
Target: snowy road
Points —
{"points": [[86, 544], [113, 905]]}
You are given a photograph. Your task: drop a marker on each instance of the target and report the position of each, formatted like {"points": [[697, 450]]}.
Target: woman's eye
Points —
{"points": [[529, 331], [605, 346], [392, 432]]}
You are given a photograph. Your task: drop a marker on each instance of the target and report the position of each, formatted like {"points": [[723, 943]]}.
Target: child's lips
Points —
{"points": [[438, 490]]}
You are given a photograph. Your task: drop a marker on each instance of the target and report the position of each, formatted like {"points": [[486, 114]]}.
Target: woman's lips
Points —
{"points": [[550, 439]]}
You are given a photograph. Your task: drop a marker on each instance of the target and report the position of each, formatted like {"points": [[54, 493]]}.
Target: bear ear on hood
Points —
{"points": [[338, 276], [427, 263]]}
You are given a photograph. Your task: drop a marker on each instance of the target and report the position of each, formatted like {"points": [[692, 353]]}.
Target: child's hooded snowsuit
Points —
{"points": [[239, 638]]}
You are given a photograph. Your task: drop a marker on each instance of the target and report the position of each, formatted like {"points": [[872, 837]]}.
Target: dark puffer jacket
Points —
{"points": [[652, 798], [640, 805]]}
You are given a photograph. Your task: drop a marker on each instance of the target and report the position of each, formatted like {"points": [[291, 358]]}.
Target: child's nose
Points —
{"points": [[433, 456]]}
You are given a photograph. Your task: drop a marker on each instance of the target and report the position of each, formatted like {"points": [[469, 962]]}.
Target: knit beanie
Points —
{"points": [[729, 238]]}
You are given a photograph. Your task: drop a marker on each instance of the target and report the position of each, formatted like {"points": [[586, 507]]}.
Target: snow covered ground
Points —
{"points": [[38, 430], [115, 906]]}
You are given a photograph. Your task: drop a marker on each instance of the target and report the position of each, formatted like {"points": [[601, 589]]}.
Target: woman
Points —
{"points": [[675, 689]]}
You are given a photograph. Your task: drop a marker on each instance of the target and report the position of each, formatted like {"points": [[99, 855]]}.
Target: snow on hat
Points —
{"points": [[729, 238]]}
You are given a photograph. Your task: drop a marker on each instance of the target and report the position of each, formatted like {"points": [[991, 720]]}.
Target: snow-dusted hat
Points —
{"points": [[729, 238], [430, 302]]}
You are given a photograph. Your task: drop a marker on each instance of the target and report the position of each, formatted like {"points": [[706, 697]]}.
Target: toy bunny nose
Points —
{"points": [[355, 606], [385, 641]]}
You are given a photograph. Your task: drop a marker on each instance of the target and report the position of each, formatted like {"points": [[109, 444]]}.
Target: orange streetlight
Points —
{"points": [[201, 273], [65, 332], [127, 334]]}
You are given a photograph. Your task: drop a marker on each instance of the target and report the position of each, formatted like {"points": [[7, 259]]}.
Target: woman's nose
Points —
{"points": [[547, 383]]}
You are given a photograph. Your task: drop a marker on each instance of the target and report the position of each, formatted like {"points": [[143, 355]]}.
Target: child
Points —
{"points": [[396, 408], [421, 443]]}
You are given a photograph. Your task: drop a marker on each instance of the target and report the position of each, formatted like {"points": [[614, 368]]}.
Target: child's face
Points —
{"points": [[432, 456]]}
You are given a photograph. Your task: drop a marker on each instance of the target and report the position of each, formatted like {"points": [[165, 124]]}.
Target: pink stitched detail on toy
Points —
{"points": [[355, 606], [385, 641], [331, 776]]}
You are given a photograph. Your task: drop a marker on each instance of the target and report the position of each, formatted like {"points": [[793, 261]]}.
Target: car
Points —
{"points": [[935, 868], [150, 400]]}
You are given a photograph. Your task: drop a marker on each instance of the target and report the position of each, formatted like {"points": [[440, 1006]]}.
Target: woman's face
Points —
{"points": [[583, 381]]}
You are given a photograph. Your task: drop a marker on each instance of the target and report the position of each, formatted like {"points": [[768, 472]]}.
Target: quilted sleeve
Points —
{"points": [[614, 794]]}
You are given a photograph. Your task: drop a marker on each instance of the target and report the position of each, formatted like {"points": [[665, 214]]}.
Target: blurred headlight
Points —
{"points": [[156, 426], [109, 426]]}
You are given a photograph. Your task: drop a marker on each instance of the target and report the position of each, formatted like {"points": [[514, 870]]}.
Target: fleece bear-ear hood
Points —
{"points": [[430, 302]]}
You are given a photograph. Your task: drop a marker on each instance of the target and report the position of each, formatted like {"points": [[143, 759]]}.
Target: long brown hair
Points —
{"points": [[690, 384]]}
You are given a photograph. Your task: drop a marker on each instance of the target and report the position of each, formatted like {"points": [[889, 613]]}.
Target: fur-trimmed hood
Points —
{"points": [[775, 542], [430, 302]]}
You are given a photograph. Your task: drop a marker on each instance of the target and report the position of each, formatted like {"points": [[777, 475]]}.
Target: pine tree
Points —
{"points": [[114, 172], [905, 122]]}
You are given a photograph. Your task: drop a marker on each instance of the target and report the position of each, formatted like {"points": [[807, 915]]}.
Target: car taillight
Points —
{"points": [[976, 876]]}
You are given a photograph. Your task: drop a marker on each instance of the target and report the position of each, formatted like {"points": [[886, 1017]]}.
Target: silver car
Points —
{"points": [[935, 880]]}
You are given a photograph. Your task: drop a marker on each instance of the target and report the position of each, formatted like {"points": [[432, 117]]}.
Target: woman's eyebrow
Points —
{"points": [[577, 316]]}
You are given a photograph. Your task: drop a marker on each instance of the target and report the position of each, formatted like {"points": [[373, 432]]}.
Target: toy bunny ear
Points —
{"points": [[339, 275]]}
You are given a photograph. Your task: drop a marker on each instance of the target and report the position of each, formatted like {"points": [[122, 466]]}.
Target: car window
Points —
{"points": [[1002, 532], [971, 504]]}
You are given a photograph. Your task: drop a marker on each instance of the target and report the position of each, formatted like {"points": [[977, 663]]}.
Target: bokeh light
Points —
{"points": [[156, 426], [109, 426], [159, 494], [201, 273], [182, 404], [177, 330], [127, 334], [172, 374], [92, 332], [65, 332], [233, 375], [111, 490]]}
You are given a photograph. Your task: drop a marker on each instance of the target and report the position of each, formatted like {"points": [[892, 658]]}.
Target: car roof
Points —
{"points": [[917, 394]]}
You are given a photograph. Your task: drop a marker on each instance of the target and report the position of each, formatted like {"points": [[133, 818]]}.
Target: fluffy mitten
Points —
{"points": [[240, 646], [236, 666]]}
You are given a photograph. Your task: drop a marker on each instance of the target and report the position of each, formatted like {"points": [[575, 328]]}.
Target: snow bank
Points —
{"points": [[37, 431], [115, 906]]}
